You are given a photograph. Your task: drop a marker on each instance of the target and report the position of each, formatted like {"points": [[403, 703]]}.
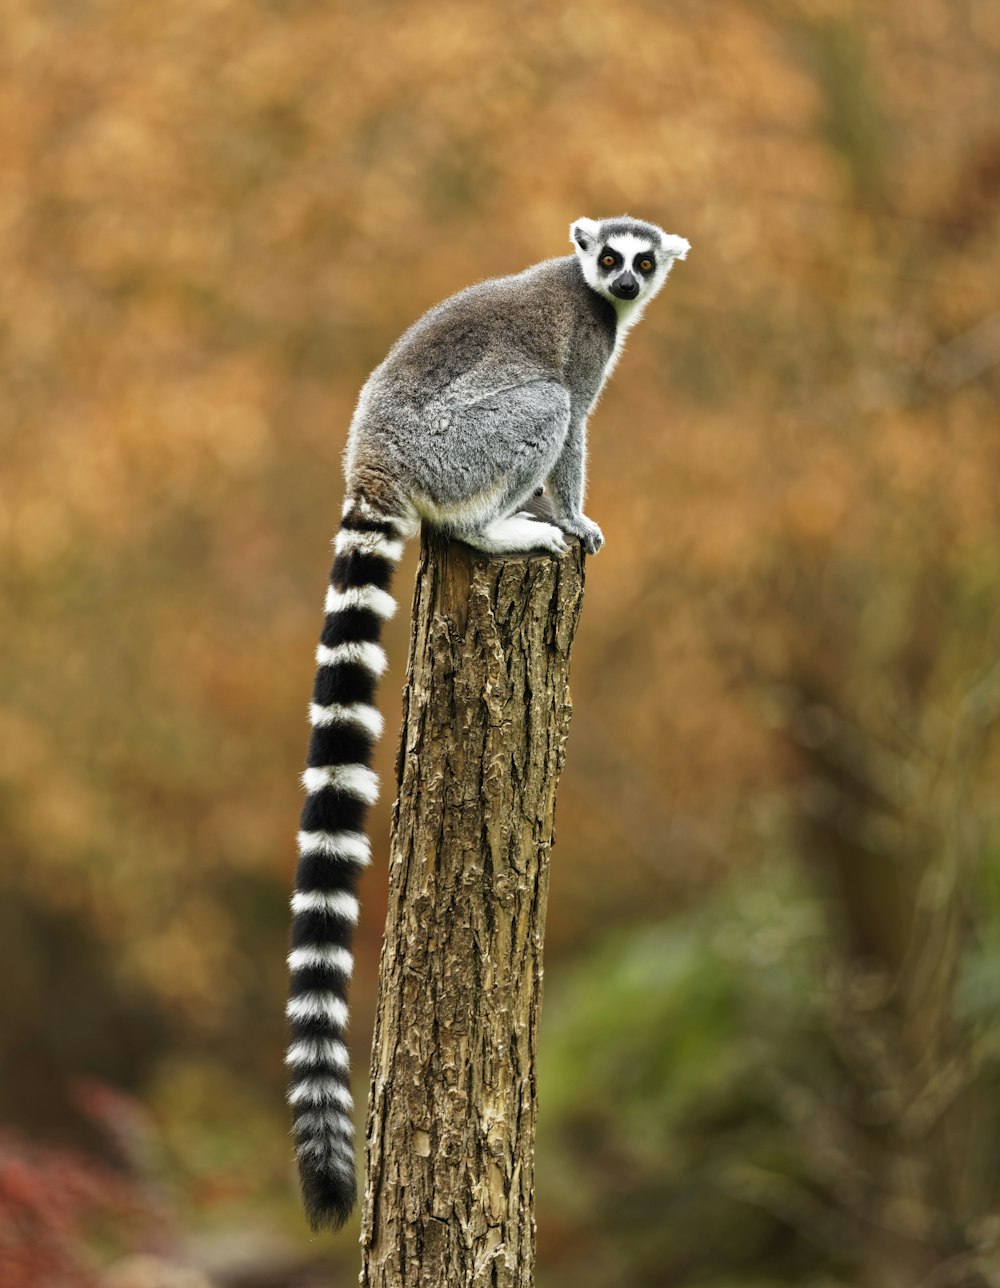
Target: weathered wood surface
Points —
{"points": [[451, 1123]]}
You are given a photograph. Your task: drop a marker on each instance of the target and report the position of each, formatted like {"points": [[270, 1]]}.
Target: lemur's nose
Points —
{"points": [[627, 284]]}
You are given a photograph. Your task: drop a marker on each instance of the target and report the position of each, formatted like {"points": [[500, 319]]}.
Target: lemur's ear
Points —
{"points": [[674, 246], [584, 233]]}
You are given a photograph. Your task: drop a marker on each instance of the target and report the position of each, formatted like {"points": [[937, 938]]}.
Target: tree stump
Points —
{"points": [[449, 1195]]}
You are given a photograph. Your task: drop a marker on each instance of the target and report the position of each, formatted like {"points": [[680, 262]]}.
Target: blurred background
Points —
{"points": [[771, 1034]]}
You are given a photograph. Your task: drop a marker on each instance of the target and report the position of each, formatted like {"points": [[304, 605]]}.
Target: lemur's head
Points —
{"points": [[625, 259]]}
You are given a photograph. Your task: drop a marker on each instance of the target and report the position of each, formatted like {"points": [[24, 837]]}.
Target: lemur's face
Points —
{"points": [[625, 265], [625, 260]]}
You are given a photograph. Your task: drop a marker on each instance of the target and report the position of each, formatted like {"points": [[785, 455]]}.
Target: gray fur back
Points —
{"points": [[415, 421]]}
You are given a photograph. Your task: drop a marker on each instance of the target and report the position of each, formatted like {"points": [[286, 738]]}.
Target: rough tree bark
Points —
{"points": [[451, 1122]]}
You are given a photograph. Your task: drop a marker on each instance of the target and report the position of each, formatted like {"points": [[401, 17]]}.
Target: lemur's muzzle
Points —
{"points": [[625, 287]]}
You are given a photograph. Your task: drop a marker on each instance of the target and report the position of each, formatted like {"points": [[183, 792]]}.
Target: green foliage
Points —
{"points": [[674, 1065]]}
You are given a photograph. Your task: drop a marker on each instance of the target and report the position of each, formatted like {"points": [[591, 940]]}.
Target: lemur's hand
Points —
{"points": [[589, 533]]}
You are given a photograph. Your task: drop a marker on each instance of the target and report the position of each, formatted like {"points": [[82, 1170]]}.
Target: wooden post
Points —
{"points": [[449, 1196]]}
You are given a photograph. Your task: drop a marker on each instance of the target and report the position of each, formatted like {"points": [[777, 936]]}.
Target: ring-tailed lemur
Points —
{"points": [[480, 403]]}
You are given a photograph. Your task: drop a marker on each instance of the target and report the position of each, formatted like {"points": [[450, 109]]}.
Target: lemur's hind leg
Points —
{"points": [[526, 522], [521, 432]]}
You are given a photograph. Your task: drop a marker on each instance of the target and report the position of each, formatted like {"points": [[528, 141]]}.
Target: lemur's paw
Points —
{"points": [[548, 537], [591, 537], [517, 534]]}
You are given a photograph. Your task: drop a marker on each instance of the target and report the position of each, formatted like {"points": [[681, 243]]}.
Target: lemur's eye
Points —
{"points": [[646, 265], [608, 261]]}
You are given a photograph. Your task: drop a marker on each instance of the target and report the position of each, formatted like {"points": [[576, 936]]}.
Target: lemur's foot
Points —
{"points": [[516, 535], [591, 537], [552, 538]]}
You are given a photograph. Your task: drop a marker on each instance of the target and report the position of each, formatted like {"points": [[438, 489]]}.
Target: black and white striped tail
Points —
{"points": [[333, 848]]}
